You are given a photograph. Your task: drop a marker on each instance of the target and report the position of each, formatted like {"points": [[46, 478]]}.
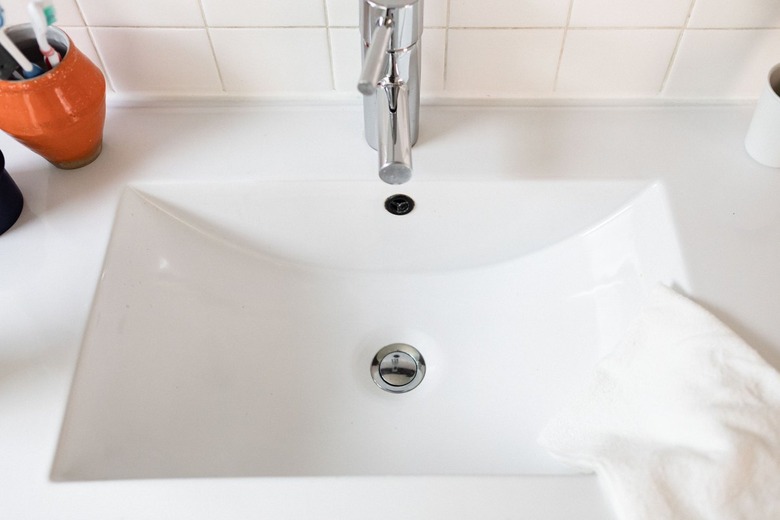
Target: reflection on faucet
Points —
{"points": [[390, 82]]}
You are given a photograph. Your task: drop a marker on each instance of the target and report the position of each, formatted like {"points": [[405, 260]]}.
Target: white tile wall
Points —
{"points": [[342, 13], [503, 62], [615, 63], [142, 13], [665, 49], [434, 47], [345, 49], [264, 13], [144, 59], [435, 14], [736, 13], [508, 13], [250, 60], [629, 13], [723, 64]]}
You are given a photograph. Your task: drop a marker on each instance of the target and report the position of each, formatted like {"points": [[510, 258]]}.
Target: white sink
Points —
{"points": [[234, 324]]}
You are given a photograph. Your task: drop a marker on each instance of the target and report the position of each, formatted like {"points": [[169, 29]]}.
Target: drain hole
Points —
{"points": [[399, 204]]}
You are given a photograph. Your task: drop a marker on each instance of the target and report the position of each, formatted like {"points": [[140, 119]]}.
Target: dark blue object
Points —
{"points": [[11, 200], [7, 64]]}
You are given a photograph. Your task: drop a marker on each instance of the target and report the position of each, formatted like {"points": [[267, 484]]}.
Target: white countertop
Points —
{"points": [[727, 208]]}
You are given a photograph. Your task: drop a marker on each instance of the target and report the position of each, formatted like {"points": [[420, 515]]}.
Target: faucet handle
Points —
{"points": [[407, 16], [374, 63]]}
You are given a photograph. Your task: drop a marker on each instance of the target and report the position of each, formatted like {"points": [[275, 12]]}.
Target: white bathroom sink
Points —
{"points": [[234, 324]]}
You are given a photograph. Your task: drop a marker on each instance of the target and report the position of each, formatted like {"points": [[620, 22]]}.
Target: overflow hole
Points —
{"points": [[399, 204]]}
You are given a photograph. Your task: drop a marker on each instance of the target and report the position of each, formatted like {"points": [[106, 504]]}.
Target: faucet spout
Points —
{"points": [[390, 82], [395, 142]]}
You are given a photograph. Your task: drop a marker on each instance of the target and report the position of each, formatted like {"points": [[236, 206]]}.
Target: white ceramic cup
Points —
{"points": [[763, 137]]}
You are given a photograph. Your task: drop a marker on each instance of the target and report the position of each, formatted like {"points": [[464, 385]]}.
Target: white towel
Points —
{"points": [[680, 422]]}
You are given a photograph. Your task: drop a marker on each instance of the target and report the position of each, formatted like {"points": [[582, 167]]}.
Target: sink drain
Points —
{"points": [[398, 368], [399, 204]]}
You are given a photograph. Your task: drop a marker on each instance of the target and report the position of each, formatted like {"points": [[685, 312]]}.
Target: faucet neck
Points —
{"points": [[390, 82]]}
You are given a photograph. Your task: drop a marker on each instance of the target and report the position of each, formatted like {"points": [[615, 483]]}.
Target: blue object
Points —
{"points": [[34, 73]]}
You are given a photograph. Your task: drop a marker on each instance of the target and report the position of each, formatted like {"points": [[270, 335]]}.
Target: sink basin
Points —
{"points": [[234, 324]]}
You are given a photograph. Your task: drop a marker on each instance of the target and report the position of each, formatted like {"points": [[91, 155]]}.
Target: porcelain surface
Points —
{"points": [[234, 324]]}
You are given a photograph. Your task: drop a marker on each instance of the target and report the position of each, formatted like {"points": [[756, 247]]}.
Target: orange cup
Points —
{"points": [[59, 114]]}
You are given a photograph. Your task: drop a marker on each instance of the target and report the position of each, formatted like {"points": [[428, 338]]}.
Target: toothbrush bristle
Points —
{"points": [[51, 16]]}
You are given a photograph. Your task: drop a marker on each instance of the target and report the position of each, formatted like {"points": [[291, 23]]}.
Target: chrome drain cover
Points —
{"points": [[398, 368]]}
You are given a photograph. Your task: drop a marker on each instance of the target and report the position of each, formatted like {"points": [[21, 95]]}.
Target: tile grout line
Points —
{"points": [[563, 47], [446, 47], [676, 51], [330, 46], [211, 46]]}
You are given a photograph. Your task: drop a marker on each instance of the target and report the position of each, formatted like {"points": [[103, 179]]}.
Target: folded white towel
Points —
{"points": [[680, 422]]}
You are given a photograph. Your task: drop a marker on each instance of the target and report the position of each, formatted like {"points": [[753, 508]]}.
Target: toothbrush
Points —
{"points": [[42, 15], [29, 70]]}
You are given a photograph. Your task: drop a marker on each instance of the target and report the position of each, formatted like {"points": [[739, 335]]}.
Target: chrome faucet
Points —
{"points": [[390, 82]]}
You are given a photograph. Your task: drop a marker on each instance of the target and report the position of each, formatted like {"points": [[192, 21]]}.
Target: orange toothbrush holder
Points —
{"points": [[59, 114]]}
